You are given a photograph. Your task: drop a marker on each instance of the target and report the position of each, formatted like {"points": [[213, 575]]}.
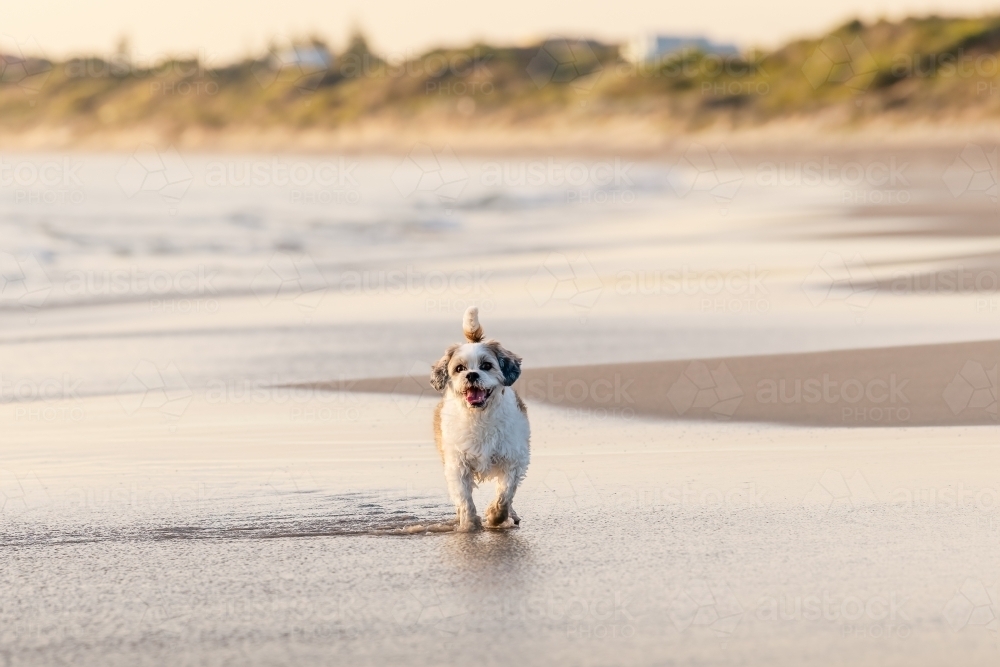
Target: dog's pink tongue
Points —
{"points": [[475, 395]]}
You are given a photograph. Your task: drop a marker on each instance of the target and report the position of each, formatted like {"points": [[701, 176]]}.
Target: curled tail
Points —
{"points": [[470, 325]]}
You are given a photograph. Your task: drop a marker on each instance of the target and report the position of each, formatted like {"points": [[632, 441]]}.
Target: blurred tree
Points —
{"points": [[357, 59]]}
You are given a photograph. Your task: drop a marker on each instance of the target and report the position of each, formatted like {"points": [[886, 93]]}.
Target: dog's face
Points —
{"points": [[475, 372]]}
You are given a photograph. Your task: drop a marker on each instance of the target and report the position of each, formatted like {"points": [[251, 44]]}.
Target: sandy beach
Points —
{"points": [[637, 135], [249, 535], [743, 262], [764, 416]]}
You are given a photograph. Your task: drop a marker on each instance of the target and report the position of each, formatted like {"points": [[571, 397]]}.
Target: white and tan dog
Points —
{"points": [[481, 424]]}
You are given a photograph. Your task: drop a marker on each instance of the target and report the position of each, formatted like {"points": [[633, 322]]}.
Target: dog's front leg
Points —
{"points": [[460, 485], [502, 507]]}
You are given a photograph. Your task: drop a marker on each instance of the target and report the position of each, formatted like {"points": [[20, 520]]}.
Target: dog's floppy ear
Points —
{"points": [[439, 372], [510, 363]]}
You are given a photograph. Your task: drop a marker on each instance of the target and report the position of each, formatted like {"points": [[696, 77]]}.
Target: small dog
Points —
{"points": [[481, 424]]}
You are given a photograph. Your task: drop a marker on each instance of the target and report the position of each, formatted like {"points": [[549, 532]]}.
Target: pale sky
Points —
{"points": [[222, 30]]}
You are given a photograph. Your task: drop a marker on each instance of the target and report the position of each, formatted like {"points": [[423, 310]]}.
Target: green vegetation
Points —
{"points": [[919, 67]]}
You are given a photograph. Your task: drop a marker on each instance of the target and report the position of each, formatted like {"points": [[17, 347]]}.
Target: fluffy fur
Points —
{"points": [[480, 425]]}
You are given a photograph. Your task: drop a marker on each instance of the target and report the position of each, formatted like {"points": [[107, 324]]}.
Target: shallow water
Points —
{"points": [[347, 277]]}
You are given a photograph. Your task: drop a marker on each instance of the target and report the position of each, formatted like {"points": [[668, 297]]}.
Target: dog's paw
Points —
{"points": [[469, 524], [496, 515]]}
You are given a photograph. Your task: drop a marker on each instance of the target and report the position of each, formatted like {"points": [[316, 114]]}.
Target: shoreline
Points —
{"points": [[640, 137], [896, 387]]}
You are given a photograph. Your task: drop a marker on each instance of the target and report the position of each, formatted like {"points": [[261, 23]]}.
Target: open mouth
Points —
{"points": [[476, 397]]}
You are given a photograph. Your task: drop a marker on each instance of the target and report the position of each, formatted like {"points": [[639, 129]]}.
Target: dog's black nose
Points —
{"points": [[472, 376]]}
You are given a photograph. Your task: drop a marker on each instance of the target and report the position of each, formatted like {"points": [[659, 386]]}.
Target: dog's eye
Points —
{"points": [[460, 368], [486, 366]]}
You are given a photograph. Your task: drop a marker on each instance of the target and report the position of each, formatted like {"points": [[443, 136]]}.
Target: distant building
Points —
{"points": [[652, 47], [309, 57]]}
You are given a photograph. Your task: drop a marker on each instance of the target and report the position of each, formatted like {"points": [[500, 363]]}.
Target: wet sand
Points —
{"points": [[921, 385], [252, 535]]}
